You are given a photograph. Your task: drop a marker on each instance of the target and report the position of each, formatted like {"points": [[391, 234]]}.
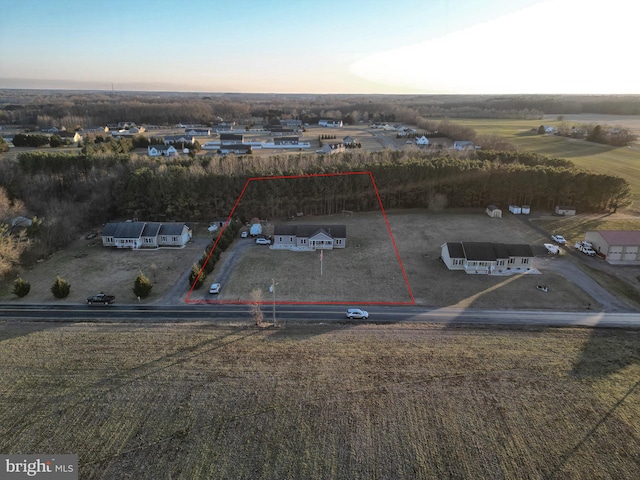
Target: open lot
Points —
{"points": [[323, 401]]}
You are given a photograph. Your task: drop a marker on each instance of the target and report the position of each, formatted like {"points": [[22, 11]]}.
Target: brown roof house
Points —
{"points": [[309, 237]]}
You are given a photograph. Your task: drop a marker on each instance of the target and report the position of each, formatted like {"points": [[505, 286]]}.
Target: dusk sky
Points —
{"points": [[329, 46]]}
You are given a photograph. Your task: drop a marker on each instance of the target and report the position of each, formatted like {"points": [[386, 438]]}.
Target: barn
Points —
{"points": [[619, 247]]}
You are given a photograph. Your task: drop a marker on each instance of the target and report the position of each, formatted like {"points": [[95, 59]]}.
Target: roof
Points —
{"points": [[171, 228], [455, 250], [486, 251], [479, 251], [492, 207], [621, 237], [151, 229], [123, 229], [336, 231]]}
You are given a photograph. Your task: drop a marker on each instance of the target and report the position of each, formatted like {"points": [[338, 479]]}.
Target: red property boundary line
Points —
{"points": [[287, 177]]}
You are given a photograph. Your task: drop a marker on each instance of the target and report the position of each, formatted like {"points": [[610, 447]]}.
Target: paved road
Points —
{"points": [[315, 314]]}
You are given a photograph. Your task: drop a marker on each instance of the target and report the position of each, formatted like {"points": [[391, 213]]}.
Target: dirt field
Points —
{"points": [[366, 273], [323, 401]]}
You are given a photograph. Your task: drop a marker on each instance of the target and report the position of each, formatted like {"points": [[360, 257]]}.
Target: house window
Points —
{"points": [[512, 260], [525, 261], [500, 263], [280, 239], [303, 241], [175, 238], [458, 261]]}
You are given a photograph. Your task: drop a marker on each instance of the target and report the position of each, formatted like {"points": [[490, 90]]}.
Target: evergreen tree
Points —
{"points": [[142, 286], [21, 287], [195, 270], [60, 288]]}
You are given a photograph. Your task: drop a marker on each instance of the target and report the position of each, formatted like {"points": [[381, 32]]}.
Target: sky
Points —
{"points": [[326, 46]]}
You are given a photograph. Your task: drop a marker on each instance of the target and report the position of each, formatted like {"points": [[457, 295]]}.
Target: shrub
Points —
{"points": [[142, 286], [21, 287], [60, 288], [195, 270]]}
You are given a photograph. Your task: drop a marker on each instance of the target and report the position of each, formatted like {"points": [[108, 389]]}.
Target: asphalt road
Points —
{"points": [[316, 314]]}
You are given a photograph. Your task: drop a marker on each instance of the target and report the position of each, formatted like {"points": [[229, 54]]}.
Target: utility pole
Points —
{"points": [[272, 288]]}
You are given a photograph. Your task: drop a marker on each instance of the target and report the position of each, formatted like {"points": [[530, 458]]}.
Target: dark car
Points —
{"points": [[102, 298]]}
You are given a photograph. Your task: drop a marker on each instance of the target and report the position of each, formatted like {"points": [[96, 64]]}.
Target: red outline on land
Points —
{"points": [[280, 177]]}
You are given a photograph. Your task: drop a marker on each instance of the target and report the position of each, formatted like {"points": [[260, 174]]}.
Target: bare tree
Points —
{"points": [[255, 309]]}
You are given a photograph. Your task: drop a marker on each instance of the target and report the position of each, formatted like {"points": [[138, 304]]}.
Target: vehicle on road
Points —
{"points": [[552, 249], [357, 313], [244, 234], [101, 298], [263, 241], [215, 288], [559, 239], [586, 248]]}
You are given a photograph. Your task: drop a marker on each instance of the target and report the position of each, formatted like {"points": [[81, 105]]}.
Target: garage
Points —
{"points": [[620, 247]]}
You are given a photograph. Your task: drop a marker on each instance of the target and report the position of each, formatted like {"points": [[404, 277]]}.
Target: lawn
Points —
{"points": [[187, 401]]}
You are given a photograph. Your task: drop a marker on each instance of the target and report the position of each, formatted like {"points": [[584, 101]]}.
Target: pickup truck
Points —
{"points": [[586, 248], [101, 298]]}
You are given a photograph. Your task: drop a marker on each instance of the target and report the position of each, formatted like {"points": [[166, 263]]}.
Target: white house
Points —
{"points": [[493, 211], [136, 235], [463, 145], [620, 247], [178, 139], [161, 150], [485, 257], [330, 148], [309, 237], [198, 132], [422, 140], [330, 123], [349, 140]]}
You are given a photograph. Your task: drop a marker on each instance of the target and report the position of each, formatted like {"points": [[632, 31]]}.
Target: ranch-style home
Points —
{"points": [[309, 237], [336, 147], [136, 235], [485, 257], [161, 150]]}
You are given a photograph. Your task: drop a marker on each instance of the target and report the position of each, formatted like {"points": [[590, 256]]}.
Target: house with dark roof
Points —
{"points": [[161, 150], [330, 148], [619, 247], [231, 138], [136, 235], [486, 257], [309, 237]]}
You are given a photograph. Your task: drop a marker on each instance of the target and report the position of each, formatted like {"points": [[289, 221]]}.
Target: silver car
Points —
{"points": [[357, 313]]}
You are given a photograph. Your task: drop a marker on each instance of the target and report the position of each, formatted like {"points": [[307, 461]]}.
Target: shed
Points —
{"points": [[515, 209], [493, 211], [526, 209], [565, 210]]}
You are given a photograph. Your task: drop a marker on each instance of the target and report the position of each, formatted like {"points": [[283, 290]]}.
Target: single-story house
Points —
{"points": [[565, 210], [231, 138], [336, 147], [486, 257], [422, 140], [619, 247], [178, 139], [237, 148], [161, 150], [463, 145], [286, 141], [136, 235], [74, 137], [493, 211], [309, 237], [198, 132], [330, 123], [291, 123], [349, 140]]}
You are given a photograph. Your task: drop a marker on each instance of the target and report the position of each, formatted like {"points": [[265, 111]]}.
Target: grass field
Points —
{"points": [[195, 401]]}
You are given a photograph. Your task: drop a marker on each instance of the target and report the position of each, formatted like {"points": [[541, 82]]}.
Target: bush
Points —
{"points": [[142, 286], [21, 287], [60, 288], [195, 270]]}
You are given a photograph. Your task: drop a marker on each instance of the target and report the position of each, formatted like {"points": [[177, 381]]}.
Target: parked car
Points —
{"points": [[244, 234], [586, 248], [559, 239], [101, 298], [552, 249], [357, 313], [263, 241], [215, 288]]}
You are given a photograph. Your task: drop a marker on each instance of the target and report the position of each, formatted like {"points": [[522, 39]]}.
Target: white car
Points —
{"points": [[215, 288], [263, 241], [559, 239], [357, 313], [244, 234], [552, 249]]}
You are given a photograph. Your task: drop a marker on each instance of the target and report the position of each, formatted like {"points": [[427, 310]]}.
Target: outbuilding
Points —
{"points": [[565, 210], [619, 247], [493, 211]]}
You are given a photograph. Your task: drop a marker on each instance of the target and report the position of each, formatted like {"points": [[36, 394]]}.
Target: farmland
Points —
{"points": [[323, 401]]}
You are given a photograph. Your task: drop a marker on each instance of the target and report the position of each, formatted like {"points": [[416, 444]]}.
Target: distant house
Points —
{"points": [[330, 123], [619, 247], [485, 257], [286, 141], [309, 237], [136, 235], [565, 210], [422, 140], [231, 138], [237, 148], [198, 132], [330, 148], [161, 150], [74, 137], [290, 123], [178, 139], [463, 145], [493, 211], [348, 140]]}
